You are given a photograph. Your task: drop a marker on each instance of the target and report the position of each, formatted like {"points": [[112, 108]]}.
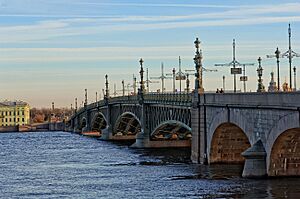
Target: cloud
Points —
{"points": [[184, 5], [93, 24], [212, 52]]}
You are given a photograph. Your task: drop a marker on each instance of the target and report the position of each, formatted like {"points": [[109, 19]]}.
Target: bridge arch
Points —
{"points": [[227, 144], [172, 130], [127, 124], [285, 154], [83, 123], [282, 126], [99, 122]]}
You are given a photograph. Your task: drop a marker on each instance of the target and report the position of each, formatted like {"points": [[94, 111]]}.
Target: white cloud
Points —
{"points": [[88, 25]]}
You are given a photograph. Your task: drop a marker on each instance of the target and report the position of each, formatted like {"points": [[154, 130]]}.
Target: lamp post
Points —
{"points": [[260, 86], [123, 88], [85, 97], [295, 79], [174, 79], [134, 85], [277, 54], [223, 82], [142, 86], [187, 83], [106, 87], [198, 66]]}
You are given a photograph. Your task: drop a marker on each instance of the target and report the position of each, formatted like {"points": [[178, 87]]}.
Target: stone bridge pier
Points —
{"points": [[260, 130]]}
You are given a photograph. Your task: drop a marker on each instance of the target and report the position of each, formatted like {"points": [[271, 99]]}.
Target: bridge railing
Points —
{"points": [[124, 99], [180, 99], [169, 98]]}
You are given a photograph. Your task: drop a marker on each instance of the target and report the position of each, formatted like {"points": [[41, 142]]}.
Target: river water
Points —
{"points": [[66, 165]]}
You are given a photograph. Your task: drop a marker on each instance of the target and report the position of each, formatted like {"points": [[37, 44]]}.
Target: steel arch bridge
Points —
{"points": [[161, 117]]}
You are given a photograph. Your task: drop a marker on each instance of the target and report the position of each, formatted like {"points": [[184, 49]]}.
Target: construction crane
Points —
{"points": [[235, 71], [162, 78]]}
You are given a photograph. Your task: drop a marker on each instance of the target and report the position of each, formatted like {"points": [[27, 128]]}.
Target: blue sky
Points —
{"points": [[53, 50]]}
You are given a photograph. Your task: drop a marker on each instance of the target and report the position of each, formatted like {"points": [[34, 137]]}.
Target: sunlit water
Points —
{"points": [[65, 165]]}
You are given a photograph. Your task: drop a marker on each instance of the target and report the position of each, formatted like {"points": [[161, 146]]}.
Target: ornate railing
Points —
{"points": [[184, 99], [180, 99]]}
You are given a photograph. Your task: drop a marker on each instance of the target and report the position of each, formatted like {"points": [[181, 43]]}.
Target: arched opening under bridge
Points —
{"points": [[227, 144], [127, 125], [99, 122], [285, 154], [172, 130]]}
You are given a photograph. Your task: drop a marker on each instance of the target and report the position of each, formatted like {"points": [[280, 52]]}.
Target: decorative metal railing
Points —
{"points": [[180, 99]]}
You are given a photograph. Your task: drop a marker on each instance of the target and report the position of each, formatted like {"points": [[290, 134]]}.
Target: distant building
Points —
{"points": [[14, 113]]}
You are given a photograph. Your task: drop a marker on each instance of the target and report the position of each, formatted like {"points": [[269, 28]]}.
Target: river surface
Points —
{"points": [[66, 165]]}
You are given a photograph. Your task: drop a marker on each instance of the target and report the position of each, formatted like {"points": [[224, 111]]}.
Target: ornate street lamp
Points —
{"points": [[142, 86], [85, 97], [198, 66], [106, 87], [277, 54], [260, 86]]}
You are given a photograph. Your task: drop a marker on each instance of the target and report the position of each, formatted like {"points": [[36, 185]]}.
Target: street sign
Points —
{"points": [[180, 77], [236, 71], [243, 78]]}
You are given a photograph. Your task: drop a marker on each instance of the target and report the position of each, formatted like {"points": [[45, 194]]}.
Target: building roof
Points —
{"points": [[13, 103]]}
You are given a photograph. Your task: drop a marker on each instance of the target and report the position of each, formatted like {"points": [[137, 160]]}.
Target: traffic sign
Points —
{"points": [[243, 78], [236, 71], [180, 77]]}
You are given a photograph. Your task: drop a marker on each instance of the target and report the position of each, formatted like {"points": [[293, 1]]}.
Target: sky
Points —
{"points": [[50, 51]]}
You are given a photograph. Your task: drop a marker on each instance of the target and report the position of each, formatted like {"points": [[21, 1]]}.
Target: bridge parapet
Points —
{"points": [[276, 99]]}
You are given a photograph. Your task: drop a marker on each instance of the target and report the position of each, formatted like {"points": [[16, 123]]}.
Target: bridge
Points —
{"points": [[157, 120], [260, 130]]}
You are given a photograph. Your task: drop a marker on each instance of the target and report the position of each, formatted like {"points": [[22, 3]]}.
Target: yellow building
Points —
{"points": [[14, 113]]}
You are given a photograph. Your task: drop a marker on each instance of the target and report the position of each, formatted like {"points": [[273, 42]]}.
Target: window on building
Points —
{"points": [[23, 119]]}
